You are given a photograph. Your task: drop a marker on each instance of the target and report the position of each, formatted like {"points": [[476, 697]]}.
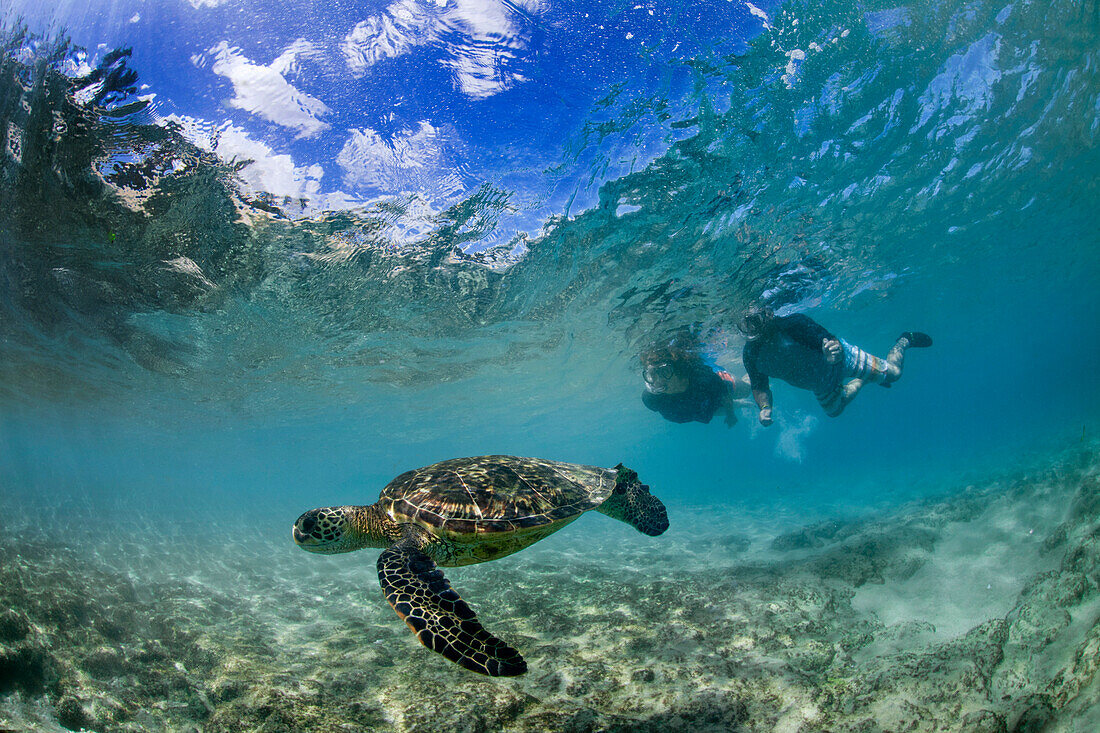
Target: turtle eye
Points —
{"points": [[306, 523]]}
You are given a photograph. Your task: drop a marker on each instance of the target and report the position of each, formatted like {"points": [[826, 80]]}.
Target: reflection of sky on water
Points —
{"points": [[427, 97], [868, 178]]}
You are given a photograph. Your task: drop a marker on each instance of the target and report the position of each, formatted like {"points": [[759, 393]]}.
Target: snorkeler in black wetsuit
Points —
{"points": [[682, 388], [802, 353]]}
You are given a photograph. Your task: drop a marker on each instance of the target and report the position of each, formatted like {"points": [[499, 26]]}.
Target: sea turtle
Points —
{"points": [[465, 511]]}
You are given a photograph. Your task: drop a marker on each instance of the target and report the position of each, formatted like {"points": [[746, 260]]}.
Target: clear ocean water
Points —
{"points": [[259, 257]]}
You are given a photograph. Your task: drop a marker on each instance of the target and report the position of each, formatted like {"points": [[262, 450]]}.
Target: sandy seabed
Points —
{"points": [[973, 612]]}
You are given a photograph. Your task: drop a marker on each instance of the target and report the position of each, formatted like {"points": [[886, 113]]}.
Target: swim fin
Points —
{"points": [[917, 339]]}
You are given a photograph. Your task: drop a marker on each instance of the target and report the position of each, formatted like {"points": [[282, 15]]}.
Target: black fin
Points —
{"points": [[917, 339]]}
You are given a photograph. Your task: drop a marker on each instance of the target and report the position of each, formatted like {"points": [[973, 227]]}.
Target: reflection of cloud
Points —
{"points": [[264, 91], [794, 430], [487, 39], [478, 71], [965, 86], [759, 14], [402, 27], [269, 172], [409, 162]]}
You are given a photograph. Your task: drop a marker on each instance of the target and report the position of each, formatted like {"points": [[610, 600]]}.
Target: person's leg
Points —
{"points": [[859, 368], [832, 400], [851, 389], [835, 400], [895, 361], [896, 358], [858, 364]]}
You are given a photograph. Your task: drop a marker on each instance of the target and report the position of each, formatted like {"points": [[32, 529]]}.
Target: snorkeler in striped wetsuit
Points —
{"points": [[801, 352]]}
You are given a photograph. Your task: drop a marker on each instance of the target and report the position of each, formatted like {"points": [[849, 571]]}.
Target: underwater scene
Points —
{"points": [[525, 365]]}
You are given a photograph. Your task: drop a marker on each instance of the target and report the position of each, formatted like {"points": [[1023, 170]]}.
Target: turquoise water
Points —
{"points": [[219, 308]]}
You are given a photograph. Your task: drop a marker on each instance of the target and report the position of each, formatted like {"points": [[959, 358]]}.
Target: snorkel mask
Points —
{"points": [[756, 322], [657, 376]]}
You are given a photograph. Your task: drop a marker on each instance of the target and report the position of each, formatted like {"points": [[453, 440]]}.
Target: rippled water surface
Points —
{"points": [[264, 256]]}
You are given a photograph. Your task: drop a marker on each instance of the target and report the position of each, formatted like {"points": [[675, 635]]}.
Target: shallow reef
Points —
{"points": [[976, 612]]}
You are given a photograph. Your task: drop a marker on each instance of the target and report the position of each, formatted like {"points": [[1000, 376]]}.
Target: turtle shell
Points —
{"points": [[495, 494]]}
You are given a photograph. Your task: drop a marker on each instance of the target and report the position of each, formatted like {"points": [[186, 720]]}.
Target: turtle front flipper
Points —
{"points": [[438, 616]]}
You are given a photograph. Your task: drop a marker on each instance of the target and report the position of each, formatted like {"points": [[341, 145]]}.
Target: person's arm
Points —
{"points": [[759, 384], [805, 331], [726, 396], [763, 397]]}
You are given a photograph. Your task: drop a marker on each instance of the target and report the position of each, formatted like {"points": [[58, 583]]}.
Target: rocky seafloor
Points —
{"points": [[972, 612]]}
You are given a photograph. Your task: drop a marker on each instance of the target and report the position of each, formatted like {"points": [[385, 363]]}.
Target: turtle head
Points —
{"points": [[330, 530]]}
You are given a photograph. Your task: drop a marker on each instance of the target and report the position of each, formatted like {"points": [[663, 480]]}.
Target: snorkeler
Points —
{"points": [[801, 352], [683, 388]]}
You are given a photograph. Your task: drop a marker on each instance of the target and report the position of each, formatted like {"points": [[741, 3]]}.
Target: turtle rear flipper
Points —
{"points": [[632, 503], [438, 616]]}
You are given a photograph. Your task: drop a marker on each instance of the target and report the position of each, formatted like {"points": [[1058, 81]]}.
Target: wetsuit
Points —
{"points": [[703, 397], [792, 351]]}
